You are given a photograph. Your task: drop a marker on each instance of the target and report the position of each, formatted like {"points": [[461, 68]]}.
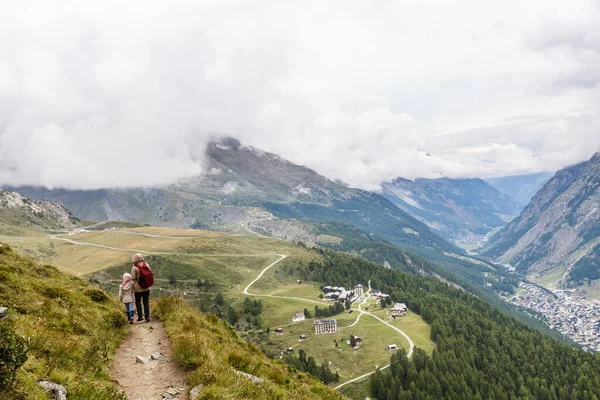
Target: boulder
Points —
{"points": [[156, 356], [195, 392], [3, 311], [56, 391]]}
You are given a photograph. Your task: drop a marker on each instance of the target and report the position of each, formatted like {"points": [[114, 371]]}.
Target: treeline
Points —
{"points": [[250, 311], [481, 352], [334, 309], [309, 365], [586, 269]]}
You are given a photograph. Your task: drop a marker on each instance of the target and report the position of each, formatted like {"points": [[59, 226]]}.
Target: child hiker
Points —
{"points": [[126, 295]]}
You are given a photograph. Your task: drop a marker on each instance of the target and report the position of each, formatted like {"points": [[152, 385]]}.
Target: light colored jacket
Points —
{"points": [[135, 275], [126, 292]]}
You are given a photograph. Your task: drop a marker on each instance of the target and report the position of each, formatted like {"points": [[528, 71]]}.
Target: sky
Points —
{"points": [[97, 94]]}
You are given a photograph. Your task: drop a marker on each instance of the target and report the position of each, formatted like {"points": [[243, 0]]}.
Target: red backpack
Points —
{"points": [[146, 278]]}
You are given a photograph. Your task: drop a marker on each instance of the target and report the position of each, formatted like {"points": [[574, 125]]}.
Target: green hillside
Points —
{"points": [[212, 351], [68, 331], [69, 328]]}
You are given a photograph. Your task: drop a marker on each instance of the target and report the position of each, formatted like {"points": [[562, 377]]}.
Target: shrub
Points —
{"points": [[13, 353], [97, 295], [55, 292]]}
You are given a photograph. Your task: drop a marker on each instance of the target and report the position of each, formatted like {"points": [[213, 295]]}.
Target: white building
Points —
{"points": [[359, 290], [326, 326], [299, 316]]}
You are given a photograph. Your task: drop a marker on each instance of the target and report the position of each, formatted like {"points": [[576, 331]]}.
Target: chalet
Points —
{"points": [[358, 340], [332, 295], [299, 316], [378, 294], [392, 347], [279, 331], [289, 350], [398, 310], [344, 296], [326, 326], [302, 338]]}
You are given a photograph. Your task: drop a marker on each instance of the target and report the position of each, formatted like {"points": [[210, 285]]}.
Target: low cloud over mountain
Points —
{"points": [[125, 94]]}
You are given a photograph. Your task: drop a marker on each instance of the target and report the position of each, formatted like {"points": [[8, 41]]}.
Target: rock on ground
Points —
{"points": [[195, 392], [254, 379], [58, 392]]}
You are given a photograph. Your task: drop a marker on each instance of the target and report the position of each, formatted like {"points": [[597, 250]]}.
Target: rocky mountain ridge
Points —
{"points": [[559, 226], [22, 211], [462, 210]]}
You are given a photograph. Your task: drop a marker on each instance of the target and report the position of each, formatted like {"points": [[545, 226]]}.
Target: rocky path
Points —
{"points": [[148, 378]]}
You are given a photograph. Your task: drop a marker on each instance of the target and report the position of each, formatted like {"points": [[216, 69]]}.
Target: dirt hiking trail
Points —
{"points": [[151, 380]]}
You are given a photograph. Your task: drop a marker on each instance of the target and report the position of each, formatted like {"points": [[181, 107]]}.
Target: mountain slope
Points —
{"points": [[20, 211], [71, 328], [463, 210], [241, 177], [560, 225], [521, 188]]}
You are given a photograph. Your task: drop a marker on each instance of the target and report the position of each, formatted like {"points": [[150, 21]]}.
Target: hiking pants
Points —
{"points": [[129, 309], [145, 296]]}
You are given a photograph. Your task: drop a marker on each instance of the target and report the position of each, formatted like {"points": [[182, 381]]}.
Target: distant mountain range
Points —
{"points": [[521, 188], [461, 210], [242, 185], [559, 229]]}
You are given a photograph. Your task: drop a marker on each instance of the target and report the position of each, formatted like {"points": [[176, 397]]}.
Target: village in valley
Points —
{"points": [[343, 297], [574, 316]]}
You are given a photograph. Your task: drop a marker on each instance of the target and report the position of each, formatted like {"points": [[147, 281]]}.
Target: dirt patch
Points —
{"points": [[151, 380]]}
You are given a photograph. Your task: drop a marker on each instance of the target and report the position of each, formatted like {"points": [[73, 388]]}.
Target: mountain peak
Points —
{"points": [[226, 143]]}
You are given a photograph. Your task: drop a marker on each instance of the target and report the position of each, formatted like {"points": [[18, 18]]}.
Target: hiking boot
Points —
{"points": [[131, 320], [148, 319]]}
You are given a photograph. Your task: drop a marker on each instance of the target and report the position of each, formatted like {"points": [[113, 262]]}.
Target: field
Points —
{"points": [[196, 264]]}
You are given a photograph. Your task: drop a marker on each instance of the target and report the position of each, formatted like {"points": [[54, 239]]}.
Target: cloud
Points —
{"points": [[113, 94]]}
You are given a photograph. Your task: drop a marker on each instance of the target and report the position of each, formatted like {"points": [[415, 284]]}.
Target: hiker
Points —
{"points": [[143, 279], [126, 295]]}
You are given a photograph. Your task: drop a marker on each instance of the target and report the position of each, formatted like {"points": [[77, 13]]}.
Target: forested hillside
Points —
{"points": [[481, 352]]}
